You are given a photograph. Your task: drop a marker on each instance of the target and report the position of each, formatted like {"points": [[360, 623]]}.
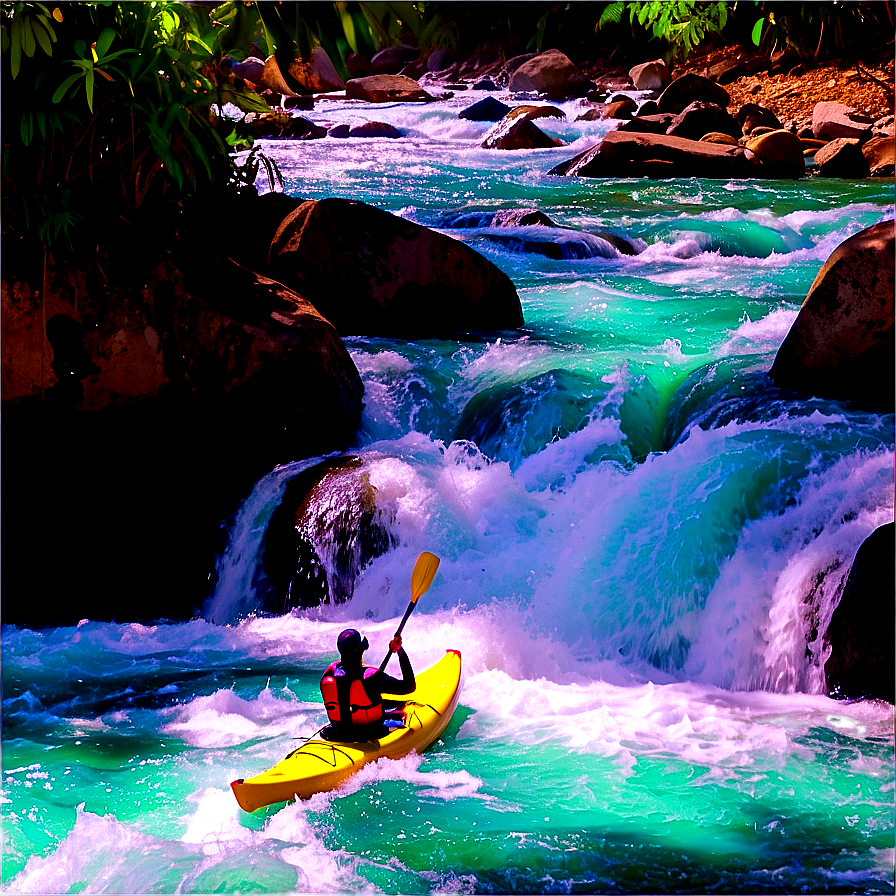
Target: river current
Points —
{"points": [[642, 543]]}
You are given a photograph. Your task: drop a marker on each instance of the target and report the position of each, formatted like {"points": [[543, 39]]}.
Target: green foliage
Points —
{"points": [[683, 24]]}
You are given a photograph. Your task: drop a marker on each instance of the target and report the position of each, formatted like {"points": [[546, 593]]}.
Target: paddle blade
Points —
{"points": [[424, 571]]}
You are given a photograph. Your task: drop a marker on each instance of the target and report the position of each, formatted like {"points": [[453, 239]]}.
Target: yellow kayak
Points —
{"points": [[320, 765]]}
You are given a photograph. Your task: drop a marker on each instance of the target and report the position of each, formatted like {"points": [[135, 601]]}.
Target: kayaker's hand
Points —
{"points": [[395, 644]]}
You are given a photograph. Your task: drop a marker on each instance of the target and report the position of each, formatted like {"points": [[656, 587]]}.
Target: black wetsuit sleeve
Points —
{"points": [[389, 685]]}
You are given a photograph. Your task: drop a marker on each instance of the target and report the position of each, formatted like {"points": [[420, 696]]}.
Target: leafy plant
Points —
{"points": [[683, 24]]}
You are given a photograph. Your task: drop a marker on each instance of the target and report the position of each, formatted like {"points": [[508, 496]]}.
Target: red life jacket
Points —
{"points": [[345, 697]]}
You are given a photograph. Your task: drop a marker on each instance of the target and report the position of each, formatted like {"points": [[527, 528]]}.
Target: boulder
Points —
{"points": [[752, 115], [653, 75], [690, 88], [832, 120], [551, 74], [842, 158], [780, 152], [373, 273], [375, 129], [386, 89], [272, 78], [649, 108], [648, 124], [879, 153], [173, 386], [391, 60], [841, 344], [533, 112], [517, 133], [488, 109], [317, 74], [718, 137], [358, 65], [860, 633], [621, 109], [625, 154], [699, 118], [506, 217]]}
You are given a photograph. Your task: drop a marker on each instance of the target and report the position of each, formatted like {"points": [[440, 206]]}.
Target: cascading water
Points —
{"points": [[642, 544]]}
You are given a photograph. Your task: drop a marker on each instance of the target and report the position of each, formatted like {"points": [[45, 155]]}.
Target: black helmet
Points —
{"points": [[351, 641]]}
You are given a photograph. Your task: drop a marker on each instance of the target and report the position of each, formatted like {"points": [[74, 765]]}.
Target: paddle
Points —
{"points": [[424, 571]]}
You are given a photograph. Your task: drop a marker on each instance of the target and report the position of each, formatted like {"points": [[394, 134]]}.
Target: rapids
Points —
{"points": [[642, 543]]}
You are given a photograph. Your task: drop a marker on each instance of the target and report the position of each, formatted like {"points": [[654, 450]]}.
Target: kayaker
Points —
{"points": [[353, 692]]}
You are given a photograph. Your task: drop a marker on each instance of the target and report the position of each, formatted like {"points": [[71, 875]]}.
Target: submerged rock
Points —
{"points": [[373, 273], [488, 109], [841, 344], [860, 634]]}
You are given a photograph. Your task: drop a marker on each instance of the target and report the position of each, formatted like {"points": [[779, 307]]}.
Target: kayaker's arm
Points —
{"points": [[407, 684]]}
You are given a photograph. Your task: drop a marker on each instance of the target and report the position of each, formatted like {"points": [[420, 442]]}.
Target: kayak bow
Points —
{"points": [[320, 765]]}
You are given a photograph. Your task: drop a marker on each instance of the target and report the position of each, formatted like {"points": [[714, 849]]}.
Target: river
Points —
{"points": [[642, 542]]}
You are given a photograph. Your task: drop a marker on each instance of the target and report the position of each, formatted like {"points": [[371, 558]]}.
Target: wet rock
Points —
{"points": [[375, 129], [560, 242], [832, 120], [752, 115], [507, 217], [551, 74], [648, 124], [517, 133], [879, 153], [650, 75], [485, 84], [699, 118], [488, 109], [533, 112], [780, 152], [717, 137], [386, 89], [860, 634], [690, 88], [651, 107], [841, 344], [842, 158], [623, 154], [373, 273], [621, 109]]}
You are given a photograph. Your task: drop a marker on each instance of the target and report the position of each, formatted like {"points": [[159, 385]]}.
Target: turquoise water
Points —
{"points": [[642, 543]]}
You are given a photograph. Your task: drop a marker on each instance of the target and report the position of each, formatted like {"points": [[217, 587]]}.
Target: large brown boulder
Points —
{"points": [[653, 75], [841, 344], [386, 89], [699, 118], [780, 153], [860, 633], [842, 158], [161, 388], [831, 120], [626, 154], [316, 74], [373, 273], [552, 74]]}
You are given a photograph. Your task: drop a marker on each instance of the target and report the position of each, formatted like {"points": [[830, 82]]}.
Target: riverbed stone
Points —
{"points": [[517, 133], [386, 89], [488, 109], [689, 88], [373, 273], [860, 633], [551, 74], [880, 153], [654, 75], [623, 154], [316, 74], [623, 109], [831, 120], [841, 344], [842, 157], [780, 152], [648, 124], [375, 129], [699, 118], [752, 115], [391, 60]]}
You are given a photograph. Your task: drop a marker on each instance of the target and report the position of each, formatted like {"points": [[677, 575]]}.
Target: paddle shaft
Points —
{"points": [[424, 571]]}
